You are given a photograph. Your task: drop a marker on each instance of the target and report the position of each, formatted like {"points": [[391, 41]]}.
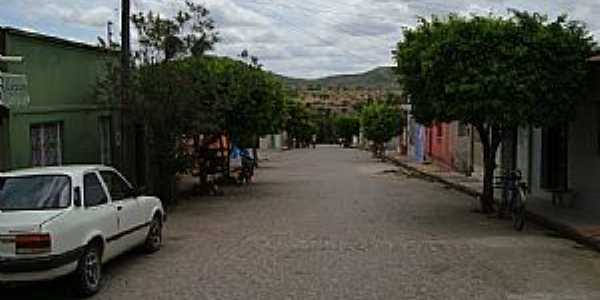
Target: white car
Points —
{"points": [[70, 220]]}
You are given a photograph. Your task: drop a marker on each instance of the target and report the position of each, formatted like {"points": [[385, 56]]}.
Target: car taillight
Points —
{"points": [[33, 243]]}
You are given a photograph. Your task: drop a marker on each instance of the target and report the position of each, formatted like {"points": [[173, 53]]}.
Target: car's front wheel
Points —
{"points": [[154, 238], [89, 271]]}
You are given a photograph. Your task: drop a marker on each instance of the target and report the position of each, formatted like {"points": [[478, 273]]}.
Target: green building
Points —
{"points": [[63, 123]]}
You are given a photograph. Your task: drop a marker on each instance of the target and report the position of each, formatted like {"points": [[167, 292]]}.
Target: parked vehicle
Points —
{"points": [[514, 197], [242, 165], [57, 221]]}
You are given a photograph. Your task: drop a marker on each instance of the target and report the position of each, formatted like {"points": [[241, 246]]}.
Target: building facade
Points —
{"points": [[454, 146], [565, 159], [62, 123]]}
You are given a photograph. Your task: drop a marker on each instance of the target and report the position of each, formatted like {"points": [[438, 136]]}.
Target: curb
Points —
{"points": [[431, 177], [565, 230]]}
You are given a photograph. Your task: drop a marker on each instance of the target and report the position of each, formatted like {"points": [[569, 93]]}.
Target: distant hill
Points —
{"points": [[378, 78]]}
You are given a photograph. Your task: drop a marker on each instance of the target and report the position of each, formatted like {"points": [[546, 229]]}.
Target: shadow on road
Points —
{"points": [[61, 288]]}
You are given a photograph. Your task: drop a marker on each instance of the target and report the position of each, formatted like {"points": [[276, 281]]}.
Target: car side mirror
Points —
{"points": [[77, 199]]}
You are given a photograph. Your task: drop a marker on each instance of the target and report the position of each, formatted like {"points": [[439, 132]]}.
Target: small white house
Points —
{"points": [[565, 160]]}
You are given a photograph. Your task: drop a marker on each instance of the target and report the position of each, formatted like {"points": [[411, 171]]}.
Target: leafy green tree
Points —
{"points": [[380, 123], [206, 95], [180, 94], [495, 73], [253, 105], [299, 123], [347, 127], [175, 99], [325, 121], [190, 32]]}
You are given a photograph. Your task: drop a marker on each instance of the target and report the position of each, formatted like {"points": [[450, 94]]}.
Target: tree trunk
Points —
{"points": [[489, 165], [490, 140]]}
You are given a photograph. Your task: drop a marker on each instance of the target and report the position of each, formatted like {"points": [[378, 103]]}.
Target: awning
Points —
{"points": [[13, 90]]}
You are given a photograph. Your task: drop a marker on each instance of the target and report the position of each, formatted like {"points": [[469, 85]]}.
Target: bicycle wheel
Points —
{"points": [[518, 210]]}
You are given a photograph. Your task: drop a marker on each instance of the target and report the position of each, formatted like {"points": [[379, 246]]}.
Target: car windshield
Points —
{"points": [[35, 192]]}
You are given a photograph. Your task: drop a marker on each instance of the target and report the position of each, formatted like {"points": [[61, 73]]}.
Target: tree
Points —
{"points": [[347, 127], [203, 96], [495, 73], [324, 118], [174, 100], [257, 103], [380, 123], [299, 123], [179, 94], [190, 32]]}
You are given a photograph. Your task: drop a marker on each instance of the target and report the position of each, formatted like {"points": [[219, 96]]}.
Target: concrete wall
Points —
{"points": [[462, 154], [271, 141], [529, 159]]}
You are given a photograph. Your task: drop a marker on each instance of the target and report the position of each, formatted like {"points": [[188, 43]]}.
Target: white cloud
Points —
{"points": [[305, 38], [96, 17]]}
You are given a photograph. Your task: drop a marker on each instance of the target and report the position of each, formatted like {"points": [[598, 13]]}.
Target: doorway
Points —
{"points": [[554, 158]]}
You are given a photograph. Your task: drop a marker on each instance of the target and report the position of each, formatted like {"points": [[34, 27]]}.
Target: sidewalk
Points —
{"points": [[581, 226]]}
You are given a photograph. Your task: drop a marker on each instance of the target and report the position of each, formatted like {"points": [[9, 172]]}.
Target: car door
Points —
{"points": [[98, 213], [130, 215]]}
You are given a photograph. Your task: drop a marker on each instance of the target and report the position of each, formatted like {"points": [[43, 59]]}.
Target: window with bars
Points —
{"points": [[46, 144]]}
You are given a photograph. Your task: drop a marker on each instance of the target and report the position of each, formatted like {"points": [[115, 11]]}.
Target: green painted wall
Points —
{"points": [[62, 78]]}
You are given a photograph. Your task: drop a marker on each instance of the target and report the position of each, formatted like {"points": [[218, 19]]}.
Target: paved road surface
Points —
{"points": [[333, 224]]}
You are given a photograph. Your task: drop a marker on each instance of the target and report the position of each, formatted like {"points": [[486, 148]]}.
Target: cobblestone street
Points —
{"points": [[331, 223]]}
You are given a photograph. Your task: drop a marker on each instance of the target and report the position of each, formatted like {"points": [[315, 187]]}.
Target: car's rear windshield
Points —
{"points": [[37, 192]]}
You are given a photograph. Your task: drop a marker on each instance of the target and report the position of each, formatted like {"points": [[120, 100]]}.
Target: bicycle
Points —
{"points": [[514, 197]]}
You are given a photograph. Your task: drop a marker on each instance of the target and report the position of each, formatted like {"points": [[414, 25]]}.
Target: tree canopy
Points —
{"points": [[206, 95], [189, 32], [299, 122], [380, 123], [346, 127], [495, 73]]}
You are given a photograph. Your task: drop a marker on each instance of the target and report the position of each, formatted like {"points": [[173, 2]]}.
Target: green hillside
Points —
{"points": [[379, 78]]}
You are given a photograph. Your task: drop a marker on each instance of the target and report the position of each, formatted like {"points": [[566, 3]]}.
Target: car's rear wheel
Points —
{"points": [[89, 271], [154, 239]]}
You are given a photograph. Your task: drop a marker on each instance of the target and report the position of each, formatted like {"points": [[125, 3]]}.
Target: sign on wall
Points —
{"points": [[13, 90]]}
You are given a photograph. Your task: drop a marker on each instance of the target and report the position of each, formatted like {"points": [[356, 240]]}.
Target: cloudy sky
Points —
{"points": [[301, 38]]}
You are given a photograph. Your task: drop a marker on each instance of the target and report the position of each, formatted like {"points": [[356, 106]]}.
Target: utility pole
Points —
{"points": [[125, 75]]}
